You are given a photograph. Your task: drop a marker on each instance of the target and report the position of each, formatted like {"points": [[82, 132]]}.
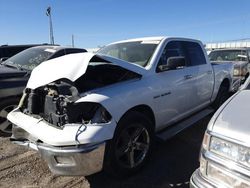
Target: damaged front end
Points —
{"points": [[55, 103], [62, 104], [57, 117]]}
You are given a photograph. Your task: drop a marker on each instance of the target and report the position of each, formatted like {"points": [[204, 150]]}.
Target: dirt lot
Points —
{"points": [[171, 166]]}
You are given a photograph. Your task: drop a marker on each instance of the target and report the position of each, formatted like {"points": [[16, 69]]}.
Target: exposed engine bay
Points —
{"points": [[55, 102], [100, 74]]}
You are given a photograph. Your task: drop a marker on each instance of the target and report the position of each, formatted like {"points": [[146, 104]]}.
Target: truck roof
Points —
{"points": [[156, 38], [228, 49]]}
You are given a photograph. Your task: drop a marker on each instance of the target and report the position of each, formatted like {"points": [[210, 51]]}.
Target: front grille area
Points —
{"points": [[50, 102]]}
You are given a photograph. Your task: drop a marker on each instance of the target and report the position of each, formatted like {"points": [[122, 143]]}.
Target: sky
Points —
{"points": [[98, 22]]}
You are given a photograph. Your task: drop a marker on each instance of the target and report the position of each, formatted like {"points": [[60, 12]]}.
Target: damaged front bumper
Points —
{"points": [[76, 149], [70, 160], [71, 134]]}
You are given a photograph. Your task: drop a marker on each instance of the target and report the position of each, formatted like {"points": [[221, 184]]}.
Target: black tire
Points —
{"points": [[221, 97], [131, 145], [6, 105]]}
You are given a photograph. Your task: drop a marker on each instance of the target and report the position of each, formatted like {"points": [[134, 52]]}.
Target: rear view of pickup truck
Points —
{"points": [[102, 111]]}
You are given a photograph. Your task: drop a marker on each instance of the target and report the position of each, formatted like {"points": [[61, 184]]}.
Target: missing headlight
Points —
{"points": [[87, 112], [101, 116]]}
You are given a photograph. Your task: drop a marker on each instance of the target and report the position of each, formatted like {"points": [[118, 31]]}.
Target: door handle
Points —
{"points": [[188, 77]]}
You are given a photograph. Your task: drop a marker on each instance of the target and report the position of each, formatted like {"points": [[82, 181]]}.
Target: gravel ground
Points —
{"points": [[20, 167], [171, 165]]}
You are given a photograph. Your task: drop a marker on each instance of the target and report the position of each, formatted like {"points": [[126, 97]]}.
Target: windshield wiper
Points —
{"points": [[10, 65], [16, 66]]}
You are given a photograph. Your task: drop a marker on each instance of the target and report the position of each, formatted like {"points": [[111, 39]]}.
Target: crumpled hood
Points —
{"points": [[7, 72], [234, 120], [72, 67]]}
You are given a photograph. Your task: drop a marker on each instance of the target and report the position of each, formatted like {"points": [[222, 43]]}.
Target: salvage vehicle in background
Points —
{"points": [[239, 57], [15, 72], [225, 152], [102, 111], [7, 51]]}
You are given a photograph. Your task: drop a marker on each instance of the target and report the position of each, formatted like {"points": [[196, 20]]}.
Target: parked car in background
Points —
{"points": [[15, 72], [225, 152], [7, 51], [102, 110], [239, 57]]}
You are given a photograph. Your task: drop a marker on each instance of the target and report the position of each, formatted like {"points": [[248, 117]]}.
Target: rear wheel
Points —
{"points": [[131, 145], [222, 96], [6, 106]]}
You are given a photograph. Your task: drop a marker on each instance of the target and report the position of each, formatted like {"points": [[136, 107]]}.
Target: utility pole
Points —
{"points": [[48, 13], [73, 41]]}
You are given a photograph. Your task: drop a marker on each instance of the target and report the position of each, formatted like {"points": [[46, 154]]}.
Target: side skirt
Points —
{"points": [[174, 129]]}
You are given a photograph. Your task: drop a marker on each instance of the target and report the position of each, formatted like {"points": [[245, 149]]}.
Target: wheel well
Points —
{"points": [[145, 110], [225, 83]]}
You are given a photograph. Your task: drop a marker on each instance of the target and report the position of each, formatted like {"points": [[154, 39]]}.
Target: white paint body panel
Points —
{"points": [[168, 94]]}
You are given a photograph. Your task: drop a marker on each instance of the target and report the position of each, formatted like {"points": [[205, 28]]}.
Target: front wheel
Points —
{"points": [[131, 145], [6, 106]]}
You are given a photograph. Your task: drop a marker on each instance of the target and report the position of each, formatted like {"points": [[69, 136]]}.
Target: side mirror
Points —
{"points": [[173, 63]]}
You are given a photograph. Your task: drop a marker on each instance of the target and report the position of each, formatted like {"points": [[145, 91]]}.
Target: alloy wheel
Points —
{"points": [[5, 125], [132, 146]]}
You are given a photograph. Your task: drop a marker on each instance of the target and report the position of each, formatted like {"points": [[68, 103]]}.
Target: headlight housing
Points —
{"points": [[237, 71], [240, 70], [229, 150]]}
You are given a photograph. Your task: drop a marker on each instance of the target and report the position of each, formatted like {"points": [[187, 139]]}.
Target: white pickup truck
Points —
{"points": [[87, 112]]}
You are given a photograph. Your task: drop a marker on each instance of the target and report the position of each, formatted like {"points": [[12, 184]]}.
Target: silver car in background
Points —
{"points": [[225, 152]]}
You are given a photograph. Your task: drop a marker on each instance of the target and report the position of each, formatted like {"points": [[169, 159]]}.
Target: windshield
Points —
{"points": [[30, 58], [228, 55], [139, 52]]}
